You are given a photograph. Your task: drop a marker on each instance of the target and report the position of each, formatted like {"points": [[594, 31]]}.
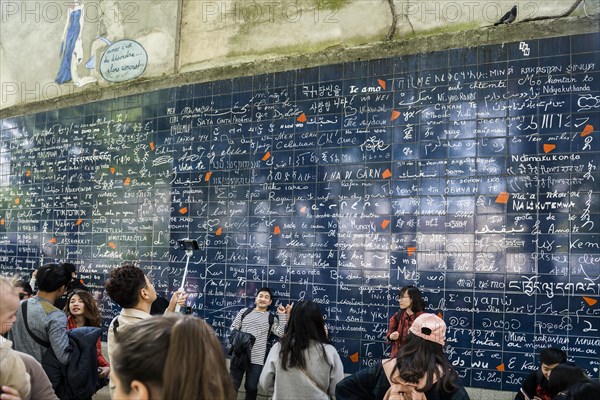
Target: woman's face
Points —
{"points": [[137, 390], [76, 306], [405, 301], [116, 387]]}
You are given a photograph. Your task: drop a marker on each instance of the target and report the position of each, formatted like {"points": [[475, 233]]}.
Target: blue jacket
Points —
{"points": [[78, 379]]}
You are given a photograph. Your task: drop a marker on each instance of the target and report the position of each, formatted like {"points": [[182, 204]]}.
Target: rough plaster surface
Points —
{"points": [[31, 34], [222, 39], [244, 66]]}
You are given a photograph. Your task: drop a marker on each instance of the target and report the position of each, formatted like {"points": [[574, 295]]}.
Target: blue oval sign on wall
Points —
{"points": [[123, 60]]}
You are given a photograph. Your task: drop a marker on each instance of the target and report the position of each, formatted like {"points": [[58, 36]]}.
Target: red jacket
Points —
{"points": [[400, 322], [101, 360]]}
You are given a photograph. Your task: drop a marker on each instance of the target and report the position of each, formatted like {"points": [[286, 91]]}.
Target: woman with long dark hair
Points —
{"points": [[411, 306], [421, 371], [303, 365]]}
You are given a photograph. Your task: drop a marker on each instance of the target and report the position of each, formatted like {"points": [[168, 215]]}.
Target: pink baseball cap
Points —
{"points": [[429, 327]]}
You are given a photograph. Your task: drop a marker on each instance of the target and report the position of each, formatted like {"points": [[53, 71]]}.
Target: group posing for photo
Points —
{"points": [[56, 353]]}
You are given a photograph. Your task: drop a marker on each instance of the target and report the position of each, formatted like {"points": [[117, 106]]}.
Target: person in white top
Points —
{"points": [[131, 289], [303, 365]]}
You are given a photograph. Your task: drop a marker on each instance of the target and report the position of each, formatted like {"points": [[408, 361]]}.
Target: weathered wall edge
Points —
{"points": [[332, 55]]}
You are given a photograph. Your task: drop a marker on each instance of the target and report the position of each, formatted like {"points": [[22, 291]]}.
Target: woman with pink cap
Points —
{"points": [[421, 371]]}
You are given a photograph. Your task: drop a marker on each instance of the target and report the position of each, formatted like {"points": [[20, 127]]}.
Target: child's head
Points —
{"points": [[170, 357], [549, 358], [23, 288]]}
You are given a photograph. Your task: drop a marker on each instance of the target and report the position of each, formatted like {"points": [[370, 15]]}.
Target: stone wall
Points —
{"points": [[190, 40]]}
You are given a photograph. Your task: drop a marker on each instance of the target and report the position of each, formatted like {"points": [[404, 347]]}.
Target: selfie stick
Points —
{"points": [[188, 253]]}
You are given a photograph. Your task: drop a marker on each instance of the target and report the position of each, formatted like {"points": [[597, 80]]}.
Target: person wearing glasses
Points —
{"points": [[411, 306], [23, 288]]}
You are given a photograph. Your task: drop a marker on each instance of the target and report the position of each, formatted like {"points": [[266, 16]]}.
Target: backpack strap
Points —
{"points": [[271, 321], [271, 317], [34, 337], [248, 311]]}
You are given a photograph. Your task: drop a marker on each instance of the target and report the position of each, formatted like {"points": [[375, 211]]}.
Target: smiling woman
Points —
{"points": [[81, 310]]}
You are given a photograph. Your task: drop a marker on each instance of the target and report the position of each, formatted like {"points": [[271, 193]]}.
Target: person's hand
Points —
{"points": [[182, 297], [281, 309], [104, 371], [9, 393], [178, 297], [394, 335]]}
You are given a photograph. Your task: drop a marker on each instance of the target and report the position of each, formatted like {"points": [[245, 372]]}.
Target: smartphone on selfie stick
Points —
{"points": [[189, 245]]}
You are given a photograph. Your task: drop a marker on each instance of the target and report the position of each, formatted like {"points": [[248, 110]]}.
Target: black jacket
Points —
{"points": [[78, 379], [531, 383], [241, 348]]}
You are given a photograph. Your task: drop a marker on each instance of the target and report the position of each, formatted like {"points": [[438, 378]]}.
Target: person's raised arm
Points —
{"points": [[178, 297], [283, 313]]}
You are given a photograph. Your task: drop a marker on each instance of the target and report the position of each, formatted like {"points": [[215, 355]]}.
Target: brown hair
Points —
{"points": [[90, 311], [176, 357]]}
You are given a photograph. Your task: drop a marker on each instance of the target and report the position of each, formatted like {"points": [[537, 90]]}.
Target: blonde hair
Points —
{"points": [[7, 287]]}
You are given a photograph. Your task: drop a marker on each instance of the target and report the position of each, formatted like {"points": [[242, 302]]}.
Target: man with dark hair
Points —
{"points": [[536, 384], [259, 323], [131, 289], [23, 288], [44, 320]]}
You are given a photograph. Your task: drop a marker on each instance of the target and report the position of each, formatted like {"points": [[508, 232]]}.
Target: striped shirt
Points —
{"points": [[257, 324]]}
